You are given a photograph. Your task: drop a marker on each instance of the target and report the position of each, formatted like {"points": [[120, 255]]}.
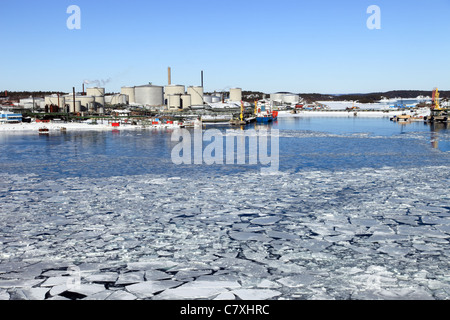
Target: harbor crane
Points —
{"points": [[436, 105]]}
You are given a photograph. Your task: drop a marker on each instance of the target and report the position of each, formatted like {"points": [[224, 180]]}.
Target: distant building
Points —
{"points": [[8, 117]]}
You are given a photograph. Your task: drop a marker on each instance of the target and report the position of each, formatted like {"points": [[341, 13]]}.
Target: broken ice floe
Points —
{"points": [[320, 234]]}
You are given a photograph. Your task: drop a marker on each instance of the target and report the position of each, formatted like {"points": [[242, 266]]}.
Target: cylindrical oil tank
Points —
{"points": [[95, 92], [196, 94], [87, 102], [129, 91], [207, 98], [54, 100], [77, 106], [277, 97], [174, 101], [99, 102], [216, 99], [291, 98], [186, 101], [173, 89], [236, 94], [116, 99], [149, 95]]}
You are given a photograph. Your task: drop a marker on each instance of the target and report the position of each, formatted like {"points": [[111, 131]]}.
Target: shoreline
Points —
{"points": [[55, 127], [345, 113]]}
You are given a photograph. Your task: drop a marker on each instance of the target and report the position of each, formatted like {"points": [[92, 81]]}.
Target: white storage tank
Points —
{"points": [[186, 101], [99, 102], [129, 91], [277, 97], [216, 99], [116, 99], [60, 102], [196, 94], [173, 89], [149, 95], [174, 101], [87, 102], [207, 98], [291, 98], [77, 106], [95, 92], [236, 94]]}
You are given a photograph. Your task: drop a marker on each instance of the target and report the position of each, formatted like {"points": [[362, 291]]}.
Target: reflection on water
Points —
{"points": [[436, 128]]}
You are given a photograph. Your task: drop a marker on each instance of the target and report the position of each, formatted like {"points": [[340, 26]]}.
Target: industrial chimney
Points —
{"points": [[170, 75]]}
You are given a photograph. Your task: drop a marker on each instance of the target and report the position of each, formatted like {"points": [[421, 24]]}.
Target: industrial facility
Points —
{"points": [[158, 98]]}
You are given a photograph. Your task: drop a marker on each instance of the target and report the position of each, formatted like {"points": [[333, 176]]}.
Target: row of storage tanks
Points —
{"points": [[173, 96], [93, 101], [285, 98]]}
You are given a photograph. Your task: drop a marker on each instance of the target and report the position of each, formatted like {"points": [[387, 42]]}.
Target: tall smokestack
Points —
{"points": [[74, 108], [202, 79], [83, 88], [170, 75]]}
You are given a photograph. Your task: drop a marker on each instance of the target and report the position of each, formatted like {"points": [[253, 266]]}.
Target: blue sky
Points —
{"points": [[300, 46]]}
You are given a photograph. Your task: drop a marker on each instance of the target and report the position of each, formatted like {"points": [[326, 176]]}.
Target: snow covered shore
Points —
{"points": [[26, 127]]}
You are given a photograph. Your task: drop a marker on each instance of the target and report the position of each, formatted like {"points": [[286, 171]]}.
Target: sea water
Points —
{"points": [[359, 209]]}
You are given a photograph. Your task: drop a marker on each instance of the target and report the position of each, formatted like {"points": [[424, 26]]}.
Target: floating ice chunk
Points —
{"points": [[87, 289], [103, 277], [206, 286], [314, 245], [426, 247], [4, 295], [381, 238], [185, 274], [380, 230], [130, 277], [189, 293], [225, 296], [256, 294], [268, 284], [149, 288], [56, 290], [121, 295], [102, 295], [395, 250], [247, 236], [444, 228], [394, 294], [35, 293], [147, 265], [265, 221], [57, 281], [6, 284], [281, 235], [364, 222], [199, 289], [156, 275], [434, 220], [297, 280]]}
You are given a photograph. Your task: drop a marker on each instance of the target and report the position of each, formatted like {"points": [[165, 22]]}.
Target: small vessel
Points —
{"points": [[44, 130], [264, 115]]}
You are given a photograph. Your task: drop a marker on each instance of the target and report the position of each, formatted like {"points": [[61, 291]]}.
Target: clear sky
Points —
{"points": [[300, 46]]}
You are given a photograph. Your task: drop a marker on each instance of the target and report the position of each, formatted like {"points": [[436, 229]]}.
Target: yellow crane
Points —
{"points": [[436, 105]]}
